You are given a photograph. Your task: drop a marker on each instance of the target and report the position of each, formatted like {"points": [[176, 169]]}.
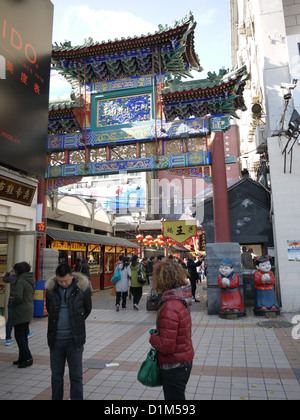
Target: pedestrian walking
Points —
{"points": [[246, 258], [68, 302], [78, 265], [123, 283], [9, 278], [149, 268], [193, 275], [136, 287], [159, 259], [22, 311], [85, 269], [173, 340]]}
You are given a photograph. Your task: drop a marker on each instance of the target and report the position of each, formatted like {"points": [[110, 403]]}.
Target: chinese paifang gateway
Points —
{"points": [[149, 66]]}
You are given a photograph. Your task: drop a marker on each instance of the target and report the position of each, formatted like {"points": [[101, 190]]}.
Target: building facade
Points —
{"points": [[266, 38]]}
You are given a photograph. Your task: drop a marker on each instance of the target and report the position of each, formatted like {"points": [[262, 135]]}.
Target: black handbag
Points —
{"points": [[141, 278], [152, 301]]}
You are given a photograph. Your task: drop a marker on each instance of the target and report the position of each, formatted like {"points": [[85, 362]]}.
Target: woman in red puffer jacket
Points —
{"points": [[173, 340]]}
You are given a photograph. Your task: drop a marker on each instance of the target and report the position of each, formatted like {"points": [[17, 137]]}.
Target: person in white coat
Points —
{"points": [[123, 283]]}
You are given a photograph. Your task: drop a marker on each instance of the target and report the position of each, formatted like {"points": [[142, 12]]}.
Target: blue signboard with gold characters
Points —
{"points": [[124, 110]]}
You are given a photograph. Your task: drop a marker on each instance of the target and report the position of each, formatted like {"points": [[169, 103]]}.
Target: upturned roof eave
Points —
{"points": [[90, 49], [204, 92], [205, 86]]}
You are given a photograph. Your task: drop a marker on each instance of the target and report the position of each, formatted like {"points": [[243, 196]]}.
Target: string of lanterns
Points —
{"points": [[159, 241]]}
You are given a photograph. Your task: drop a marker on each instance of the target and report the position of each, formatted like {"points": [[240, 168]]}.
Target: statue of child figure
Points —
{"points": [[231, 300], [265, 299]]}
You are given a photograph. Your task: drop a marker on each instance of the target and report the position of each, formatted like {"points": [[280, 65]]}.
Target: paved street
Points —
{"points": [[246, 359]]}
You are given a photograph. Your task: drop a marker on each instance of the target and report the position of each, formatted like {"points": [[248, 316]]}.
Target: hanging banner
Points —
{"points": [[180, 230]]}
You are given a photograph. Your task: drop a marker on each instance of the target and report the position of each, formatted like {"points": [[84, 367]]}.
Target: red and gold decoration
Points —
{"points": [[185, 234]]}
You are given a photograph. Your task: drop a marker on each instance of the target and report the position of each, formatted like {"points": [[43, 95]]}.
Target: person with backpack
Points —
{"points": [[136, 286]]}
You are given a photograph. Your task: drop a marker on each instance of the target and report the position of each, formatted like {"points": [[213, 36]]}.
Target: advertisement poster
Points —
{"points": [[127, 199], [293, 248], [25, 54]]}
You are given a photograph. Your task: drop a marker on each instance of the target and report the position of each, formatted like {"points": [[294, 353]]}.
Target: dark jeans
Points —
{"points": [[61, 351], [122, 295], [174, 381], [137, 293], [194, 287], [21, 335]]}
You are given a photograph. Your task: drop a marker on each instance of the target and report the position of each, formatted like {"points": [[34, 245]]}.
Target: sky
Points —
{"points": [[77, 20]]}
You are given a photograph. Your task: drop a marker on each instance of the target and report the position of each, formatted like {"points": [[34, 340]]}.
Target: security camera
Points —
{"points": [[290, 86], [287, 88], [287, 94]]}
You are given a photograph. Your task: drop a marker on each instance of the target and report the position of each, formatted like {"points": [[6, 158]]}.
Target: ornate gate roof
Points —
{"points": [[172, 49], [218, 94], [139, 68]]}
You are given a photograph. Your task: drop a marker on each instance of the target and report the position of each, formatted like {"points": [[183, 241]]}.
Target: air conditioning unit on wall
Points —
{"points": [[261, 138]]}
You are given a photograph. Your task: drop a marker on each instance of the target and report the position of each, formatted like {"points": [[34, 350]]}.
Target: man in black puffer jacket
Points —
{"points": [[68, 302]]}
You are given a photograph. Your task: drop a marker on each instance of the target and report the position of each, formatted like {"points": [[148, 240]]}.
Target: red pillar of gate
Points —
{"points": [[220, 193]]}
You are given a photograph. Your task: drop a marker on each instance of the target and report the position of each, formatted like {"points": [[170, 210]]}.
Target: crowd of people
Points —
{"points": [[129, 284], [175, 281], [69, 303]]}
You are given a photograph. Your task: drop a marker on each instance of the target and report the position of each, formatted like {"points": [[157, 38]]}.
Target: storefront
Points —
{"points": [[17, 225], [100, 252]]}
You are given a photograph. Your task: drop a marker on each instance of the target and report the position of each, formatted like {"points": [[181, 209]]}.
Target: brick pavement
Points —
{"points": [[250, 358]]}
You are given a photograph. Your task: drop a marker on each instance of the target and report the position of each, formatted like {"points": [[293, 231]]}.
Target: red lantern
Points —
{"points": [[160, 237], [149, 237], [139, 237]]}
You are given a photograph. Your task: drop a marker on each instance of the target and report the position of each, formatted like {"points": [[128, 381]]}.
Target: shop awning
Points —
{"points": [[88, 238]]}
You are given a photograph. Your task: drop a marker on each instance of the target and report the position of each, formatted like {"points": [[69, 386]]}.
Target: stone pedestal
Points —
{"points": [[215, 253]]}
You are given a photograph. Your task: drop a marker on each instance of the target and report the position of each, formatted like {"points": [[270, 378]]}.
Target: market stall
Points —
{"points": [[100, 252]]}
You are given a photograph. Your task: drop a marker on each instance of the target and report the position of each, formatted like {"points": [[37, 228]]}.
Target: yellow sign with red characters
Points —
{"points": [[180, 230], [66, 246]]}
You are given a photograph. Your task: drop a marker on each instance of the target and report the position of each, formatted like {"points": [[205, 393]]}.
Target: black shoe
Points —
{"points": [[17, 362], [25, 364]]}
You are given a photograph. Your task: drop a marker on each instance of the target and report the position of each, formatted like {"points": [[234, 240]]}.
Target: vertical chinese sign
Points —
{"points": [[25, 53]]}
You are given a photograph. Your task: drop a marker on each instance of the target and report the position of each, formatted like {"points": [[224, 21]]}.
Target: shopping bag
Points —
{"points": [[116, 277], [149, 373], [113, 291]]}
